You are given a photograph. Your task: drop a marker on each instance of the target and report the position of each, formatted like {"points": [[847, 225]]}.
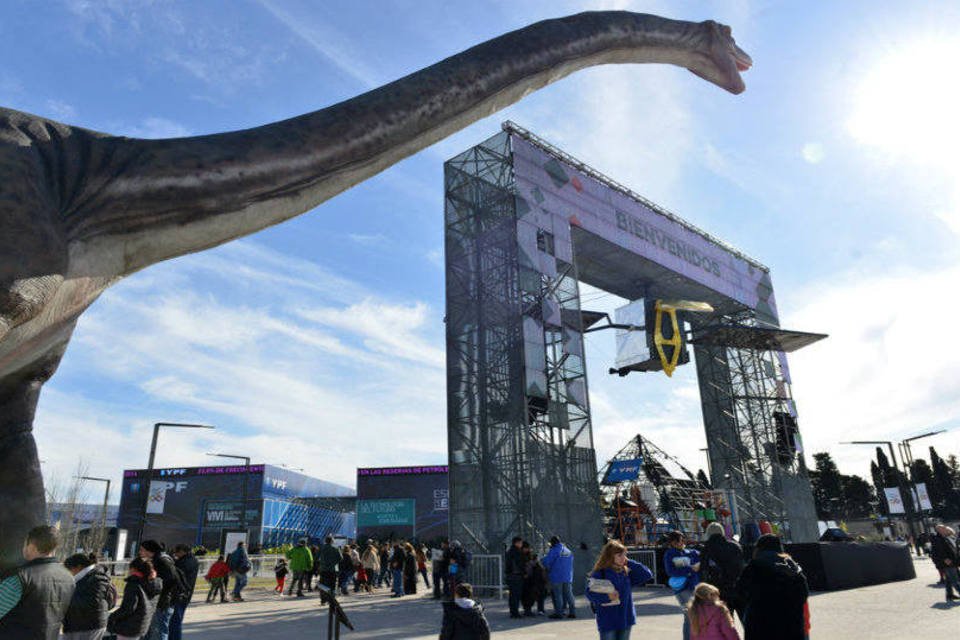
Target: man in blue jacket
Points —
{"points": [[559, 565], [683, 571]]}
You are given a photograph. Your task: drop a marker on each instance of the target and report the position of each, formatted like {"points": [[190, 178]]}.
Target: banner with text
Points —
{"points": [[894, 501], [923, 496], [623, 471], [388, 512]]}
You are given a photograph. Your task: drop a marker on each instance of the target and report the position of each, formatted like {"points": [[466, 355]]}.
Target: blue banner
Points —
{"points": [[623, 470]]}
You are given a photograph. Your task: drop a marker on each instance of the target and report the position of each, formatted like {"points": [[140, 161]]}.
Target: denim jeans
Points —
{"points": [[398, 581], [160, 625], [616, 634], [952, 580], [239, 582], [683, 597], [562, 595], [176, 620]]}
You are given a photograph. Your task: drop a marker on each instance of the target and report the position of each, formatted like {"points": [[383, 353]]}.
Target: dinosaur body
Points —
{"points": [[80, 210]]}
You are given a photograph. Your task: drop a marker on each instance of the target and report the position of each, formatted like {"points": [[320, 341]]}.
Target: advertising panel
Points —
{"points": [[426, 487], [894, 501], [385, 513], [623, 471], [922, 496], [556, 194]]}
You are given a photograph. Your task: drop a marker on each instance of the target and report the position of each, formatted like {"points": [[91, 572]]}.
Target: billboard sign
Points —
{"points": [[922, 496], [623, 471], [387, 512], [425, 486], [557, 191], [894, 500]]}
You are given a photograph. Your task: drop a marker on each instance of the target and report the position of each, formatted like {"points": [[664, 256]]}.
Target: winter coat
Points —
{"points": [[513, 562], [397, 559], [238, 560], [136, 609], [218, 570], [89, 604], [300, 558], [621, 616], [773, 589], [172, 586], [371, 561], [280, 570], [559, 563], [190, 567], [535, 584], [673, 571], [464, 620], [715, 624], [329, 558], [941, 549], [720, 565]]}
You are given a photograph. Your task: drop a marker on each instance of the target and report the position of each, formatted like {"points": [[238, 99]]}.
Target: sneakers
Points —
{"points": [[555, 616], [572, 615]]}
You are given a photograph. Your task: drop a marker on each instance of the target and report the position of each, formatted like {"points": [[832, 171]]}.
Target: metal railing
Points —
{"points": [[647, 557], [486, 574], [260, 566]]}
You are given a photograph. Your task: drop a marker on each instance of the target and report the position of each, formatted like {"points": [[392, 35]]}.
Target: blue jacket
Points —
{"points": [[559, 563], [621, 616], [693, 578]]}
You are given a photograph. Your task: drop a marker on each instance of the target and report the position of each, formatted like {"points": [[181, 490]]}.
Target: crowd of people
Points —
{"points": [[768, 593]]}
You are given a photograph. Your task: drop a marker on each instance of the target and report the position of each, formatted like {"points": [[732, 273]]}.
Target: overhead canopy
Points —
{"points": [[757, 338]]}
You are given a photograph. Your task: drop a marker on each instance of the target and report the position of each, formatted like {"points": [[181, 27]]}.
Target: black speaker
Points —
{"points": [[786, 426]]}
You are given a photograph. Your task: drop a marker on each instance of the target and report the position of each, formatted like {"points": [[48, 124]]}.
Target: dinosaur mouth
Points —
{"points": [[742, 59]]}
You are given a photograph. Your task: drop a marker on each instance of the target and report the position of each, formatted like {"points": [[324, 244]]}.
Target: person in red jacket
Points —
{"points": [[709, 617], [217, 577]]}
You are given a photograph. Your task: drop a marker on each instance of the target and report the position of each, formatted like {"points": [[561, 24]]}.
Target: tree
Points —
{"points": [[943, 481], [703, 480], [827, 487], [859, 500], [877, 476]]}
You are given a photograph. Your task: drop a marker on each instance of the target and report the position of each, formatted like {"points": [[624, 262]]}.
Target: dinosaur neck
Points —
{"points": [[156, 199]]}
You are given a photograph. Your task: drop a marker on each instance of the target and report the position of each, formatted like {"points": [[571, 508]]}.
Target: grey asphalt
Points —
{"points": [[908, 609]]}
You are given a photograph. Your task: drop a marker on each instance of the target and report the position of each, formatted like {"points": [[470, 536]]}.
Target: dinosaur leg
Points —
{"points": [[21, 482], [22, 498]]}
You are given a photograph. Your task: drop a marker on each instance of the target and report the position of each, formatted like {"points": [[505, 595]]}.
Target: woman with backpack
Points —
{"points": [[93, 597], [132, 619], [775, 591]]}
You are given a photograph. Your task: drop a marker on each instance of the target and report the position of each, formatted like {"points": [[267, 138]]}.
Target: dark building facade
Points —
{"points": [[194, 505], [403, 502]]}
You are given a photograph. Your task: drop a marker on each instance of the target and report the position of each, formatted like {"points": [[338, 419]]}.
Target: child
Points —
{"points": [[610, 590], [132, 619], [709, 617], [463, 617], [280, 571], [363, 580], [217, 577]]}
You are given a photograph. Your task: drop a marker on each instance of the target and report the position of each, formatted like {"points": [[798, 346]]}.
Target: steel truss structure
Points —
{"points": [[519, 430], [520, 440], [664, 495]]}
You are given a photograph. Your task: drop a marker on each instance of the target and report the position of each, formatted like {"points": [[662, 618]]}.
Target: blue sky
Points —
{"points": [[319, 342]]}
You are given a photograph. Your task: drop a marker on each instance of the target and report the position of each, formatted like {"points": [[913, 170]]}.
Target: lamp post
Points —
{"points": [[142, 520], [106, 499], [907, 504], [243, 489], [907, 454]]}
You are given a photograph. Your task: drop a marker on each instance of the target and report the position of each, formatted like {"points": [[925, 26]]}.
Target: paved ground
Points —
{"points": [[914, 608]]}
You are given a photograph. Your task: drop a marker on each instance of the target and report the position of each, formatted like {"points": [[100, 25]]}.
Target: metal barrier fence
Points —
{"points": [[486, 574], [648, 558], [261, 566]]}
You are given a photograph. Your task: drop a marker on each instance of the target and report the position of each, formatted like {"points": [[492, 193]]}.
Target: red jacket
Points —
{"points": [[715, 624], [218, 570]]}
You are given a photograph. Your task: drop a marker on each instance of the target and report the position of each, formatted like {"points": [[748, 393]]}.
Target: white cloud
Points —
{"points": [[813, 152], [154, 127], [60, 110]]}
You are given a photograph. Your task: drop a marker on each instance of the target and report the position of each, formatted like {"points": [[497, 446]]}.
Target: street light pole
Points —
{"points": [[106, 500], [907, 504], [243, 490], [142, 520]]}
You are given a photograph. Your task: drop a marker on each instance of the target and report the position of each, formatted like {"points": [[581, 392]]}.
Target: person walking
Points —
{"points": [[513, 569], [280, 572], [682, 566], [721, 563], [409, 569], [944, 549], [397, 561], [93, 597], [142, 588], [301, 564], [610, 590], [370, 561], [314, 572], [172, 588], [189, 567], [463, 617], [709, 617], [774, 591], [329, 563], [385, 575], [239, 563], [421, 553], [559, 565], [35, 598], [438, 566], [217, 577]]}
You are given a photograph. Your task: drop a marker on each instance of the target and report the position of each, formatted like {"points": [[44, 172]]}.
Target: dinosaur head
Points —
{"points": [[718, 59]]}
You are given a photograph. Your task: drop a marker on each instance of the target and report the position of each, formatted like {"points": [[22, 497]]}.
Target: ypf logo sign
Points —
{"points": [[157, 496], [166, 473]]}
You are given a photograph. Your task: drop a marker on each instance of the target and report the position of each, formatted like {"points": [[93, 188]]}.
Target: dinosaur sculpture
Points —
{"points": [[79, 210]]}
